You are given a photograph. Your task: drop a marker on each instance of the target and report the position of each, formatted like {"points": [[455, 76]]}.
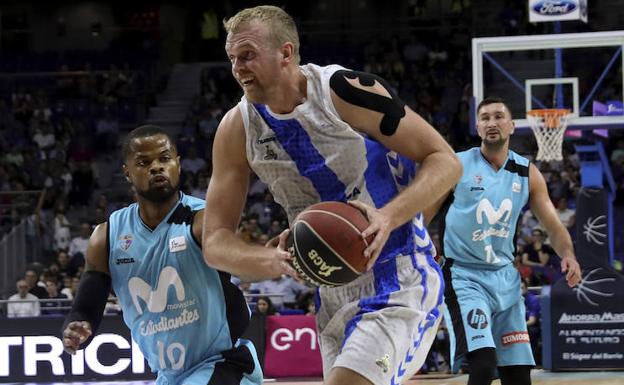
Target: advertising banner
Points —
{"points": [[557, 10], [31, 350], [587, 322], [292, 348]]}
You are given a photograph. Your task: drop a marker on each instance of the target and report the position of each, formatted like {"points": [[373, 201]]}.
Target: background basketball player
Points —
{"points": [[185, 316], [483, 297]]}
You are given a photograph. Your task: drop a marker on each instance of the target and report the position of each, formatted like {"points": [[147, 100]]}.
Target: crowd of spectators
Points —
{"points": [[51, 146]]}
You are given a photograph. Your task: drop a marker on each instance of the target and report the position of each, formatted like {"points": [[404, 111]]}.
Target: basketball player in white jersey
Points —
{"points": [[316, 134]]}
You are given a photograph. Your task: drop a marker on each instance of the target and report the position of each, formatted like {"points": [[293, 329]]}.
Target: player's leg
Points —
{"points": [[481, 366], [239, 366], [515, 374], [381, 337], [514, 355], [469, 319]]}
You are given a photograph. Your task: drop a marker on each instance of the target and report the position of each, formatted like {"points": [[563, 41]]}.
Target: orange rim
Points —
{"points": [[551, 116]]}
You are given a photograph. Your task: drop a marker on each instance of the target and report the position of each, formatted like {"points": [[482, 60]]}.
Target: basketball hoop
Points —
{"points": [[548, 126]]}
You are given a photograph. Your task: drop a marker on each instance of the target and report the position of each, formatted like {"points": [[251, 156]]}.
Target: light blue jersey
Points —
{"points": [[481, 221], [484, 307], [182, 313]]}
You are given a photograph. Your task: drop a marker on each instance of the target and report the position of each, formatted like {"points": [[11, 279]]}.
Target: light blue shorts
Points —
{"points": [[238, 366], [485, 309]]}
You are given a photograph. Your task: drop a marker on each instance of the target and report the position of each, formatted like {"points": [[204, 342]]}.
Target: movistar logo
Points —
{"points": [[156, 300], [494, 215]]}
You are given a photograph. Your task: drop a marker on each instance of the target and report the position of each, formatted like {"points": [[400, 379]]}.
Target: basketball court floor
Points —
{"points": [[538, 376]]}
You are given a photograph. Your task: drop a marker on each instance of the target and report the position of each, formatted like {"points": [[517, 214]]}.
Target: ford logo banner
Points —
{"points": [[554, 7]]}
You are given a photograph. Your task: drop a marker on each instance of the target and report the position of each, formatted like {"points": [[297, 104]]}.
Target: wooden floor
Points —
{"points": [[538, 377]]}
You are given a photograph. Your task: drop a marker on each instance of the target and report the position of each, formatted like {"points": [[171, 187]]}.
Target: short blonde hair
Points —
{"points": [[282, 27]]}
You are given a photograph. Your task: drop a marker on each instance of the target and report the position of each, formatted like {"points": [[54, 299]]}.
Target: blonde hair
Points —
{"points": [[282, 27]]}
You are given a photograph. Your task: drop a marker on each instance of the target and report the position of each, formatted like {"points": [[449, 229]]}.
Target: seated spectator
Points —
{"points": [[533, 310], [53, 307], [566, 215], [266, 211], [289, 289], [275, 229], [78, 245], [537, 255], [62, 233], [527, 224], [65, 267], [264, 306], [32, 278], [16, 308], [249, 230]]}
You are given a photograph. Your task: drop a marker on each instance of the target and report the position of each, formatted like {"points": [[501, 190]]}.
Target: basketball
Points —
{"points": [[327, 244]]}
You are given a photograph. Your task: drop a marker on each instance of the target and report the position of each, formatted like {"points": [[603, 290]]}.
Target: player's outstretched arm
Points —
{"points": [[225, 200], [544, 210], [95, 284], [370, 105]]}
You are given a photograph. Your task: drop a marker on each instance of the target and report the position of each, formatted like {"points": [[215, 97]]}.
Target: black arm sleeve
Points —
{"points": [[90, 301]]}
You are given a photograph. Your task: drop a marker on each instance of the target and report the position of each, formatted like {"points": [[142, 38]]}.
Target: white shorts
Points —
{"points": [[382, 324]]}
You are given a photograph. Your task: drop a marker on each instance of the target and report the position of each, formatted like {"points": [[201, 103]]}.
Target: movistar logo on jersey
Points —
{"points": [[494, 216], [156, 302]]}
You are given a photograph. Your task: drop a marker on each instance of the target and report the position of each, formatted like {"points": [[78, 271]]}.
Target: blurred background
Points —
{"points": [[76, 76]]}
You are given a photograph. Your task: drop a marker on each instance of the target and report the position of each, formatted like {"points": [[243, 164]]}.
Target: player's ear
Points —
{"points": [[125, 171], [288, 52]]}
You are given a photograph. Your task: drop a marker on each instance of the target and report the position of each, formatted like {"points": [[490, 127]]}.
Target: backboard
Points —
{"points": [[553, 71]]}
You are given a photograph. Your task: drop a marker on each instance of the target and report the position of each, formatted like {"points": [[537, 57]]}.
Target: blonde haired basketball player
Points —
{"points": [[315, 134]]}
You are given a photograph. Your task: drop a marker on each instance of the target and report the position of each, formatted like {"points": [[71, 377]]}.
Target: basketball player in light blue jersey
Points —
{"points": [[485, 308], [185, 316], [316, 134]]}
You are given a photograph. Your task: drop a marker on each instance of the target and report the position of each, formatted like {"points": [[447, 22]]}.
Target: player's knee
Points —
{"points": [[515, 375], [481, 366]]}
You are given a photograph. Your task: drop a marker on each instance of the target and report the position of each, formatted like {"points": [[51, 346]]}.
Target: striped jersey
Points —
{"points": [[480, 224], [181, 312], [310, 155]]}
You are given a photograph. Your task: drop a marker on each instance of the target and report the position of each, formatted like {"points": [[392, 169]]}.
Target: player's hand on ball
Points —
{"points": [[572, 269], [380, 226], [75, 334], [282, 255]]}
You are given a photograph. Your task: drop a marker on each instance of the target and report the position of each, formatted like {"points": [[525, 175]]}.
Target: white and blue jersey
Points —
{"points": [[185, 316], [311, 155], [480, 224]]}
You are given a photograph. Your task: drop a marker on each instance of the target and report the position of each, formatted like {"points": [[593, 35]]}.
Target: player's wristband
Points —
{"points": [[90, 301]]}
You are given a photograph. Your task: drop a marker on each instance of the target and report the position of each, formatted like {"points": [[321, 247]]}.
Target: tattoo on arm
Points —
{"points": [[393, 108]]}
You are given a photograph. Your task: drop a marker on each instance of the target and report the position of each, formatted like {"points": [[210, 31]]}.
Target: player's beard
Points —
{"points": [[495, 144], [159, 194]]}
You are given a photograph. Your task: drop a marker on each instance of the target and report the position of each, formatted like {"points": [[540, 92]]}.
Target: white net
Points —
{"points": [[549, 128]]}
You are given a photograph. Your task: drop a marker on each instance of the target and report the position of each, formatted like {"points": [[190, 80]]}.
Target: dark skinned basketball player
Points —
{"points": [[185, 316], [317, 134]]}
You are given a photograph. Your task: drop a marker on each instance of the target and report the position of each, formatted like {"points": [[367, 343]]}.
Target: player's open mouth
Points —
{"points": [[246, 81]]}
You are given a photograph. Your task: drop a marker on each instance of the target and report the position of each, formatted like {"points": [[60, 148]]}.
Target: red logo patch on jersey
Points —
{"points": [[515, 338]]}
